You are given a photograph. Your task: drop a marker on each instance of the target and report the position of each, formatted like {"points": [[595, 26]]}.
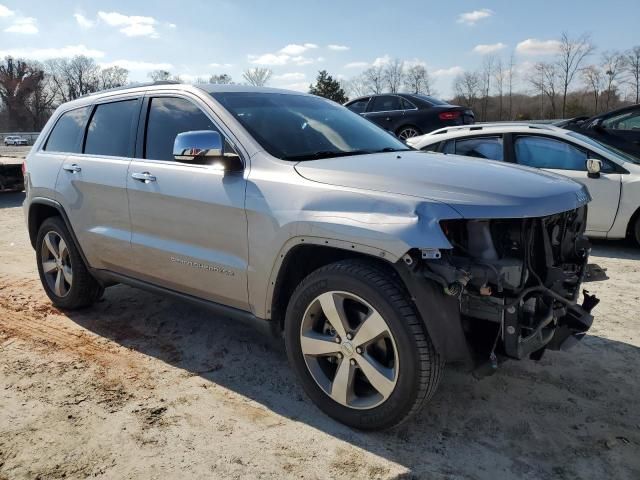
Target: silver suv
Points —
{"points": [[288, 209]]}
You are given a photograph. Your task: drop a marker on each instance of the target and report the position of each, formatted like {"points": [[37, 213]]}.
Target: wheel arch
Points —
{"points": [[632, 222]]}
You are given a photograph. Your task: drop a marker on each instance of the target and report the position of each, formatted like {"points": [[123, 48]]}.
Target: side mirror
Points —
{"points": [[204, 146], [594, 166], [597, 124]]}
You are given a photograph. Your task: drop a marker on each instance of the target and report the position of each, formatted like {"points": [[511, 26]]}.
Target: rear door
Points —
{"points": [[386, 111], [189, 228], [93, 180], [566, 159]]}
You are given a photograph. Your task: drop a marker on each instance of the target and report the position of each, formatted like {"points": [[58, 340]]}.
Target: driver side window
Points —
{"points": [[545, 152], [169, 116]]}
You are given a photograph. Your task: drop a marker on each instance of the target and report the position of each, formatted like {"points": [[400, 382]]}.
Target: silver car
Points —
{"points": [[376, 266]]}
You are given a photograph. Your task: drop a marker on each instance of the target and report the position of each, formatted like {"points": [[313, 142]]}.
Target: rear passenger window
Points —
{"points": [[66, 135], [482, 147], [431, 148], [111, 128]]}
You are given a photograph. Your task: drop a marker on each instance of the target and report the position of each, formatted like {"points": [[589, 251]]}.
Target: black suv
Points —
{"points": [[409, 115]]}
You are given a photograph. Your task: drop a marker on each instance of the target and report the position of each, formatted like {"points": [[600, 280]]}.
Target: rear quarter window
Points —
{"points": [[66, 135], [110, 130]]}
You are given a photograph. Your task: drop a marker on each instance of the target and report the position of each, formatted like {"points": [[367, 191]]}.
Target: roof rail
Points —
{"points": [[133, 85], [482, 126]]}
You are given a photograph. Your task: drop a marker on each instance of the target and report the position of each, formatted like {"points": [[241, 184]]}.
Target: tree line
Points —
{"points": [[575, 81]]}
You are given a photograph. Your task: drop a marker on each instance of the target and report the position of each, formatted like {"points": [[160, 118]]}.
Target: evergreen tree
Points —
{"points": [[329, 88]]}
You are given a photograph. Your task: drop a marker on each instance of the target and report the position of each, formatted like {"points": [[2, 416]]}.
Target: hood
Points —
{"points": [[476, 188]]}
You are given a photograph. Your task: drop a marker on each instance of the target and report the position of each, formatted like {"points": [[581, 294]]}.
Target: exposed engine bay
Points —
{"points": [[517, 282]]}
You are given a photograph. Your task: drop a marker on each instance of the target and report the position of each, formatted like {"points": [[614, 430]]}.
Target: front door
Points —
{"points": [[189, 228], [565, 159]]}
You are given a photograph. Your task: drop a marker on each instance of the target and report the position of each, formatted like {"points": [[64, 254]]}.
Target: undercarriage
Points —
{"points": [[515, 284]]}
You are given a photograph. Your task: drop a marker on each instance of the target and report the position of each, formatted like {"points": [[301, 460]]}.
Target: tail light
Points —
{"points": [[450, 115]]}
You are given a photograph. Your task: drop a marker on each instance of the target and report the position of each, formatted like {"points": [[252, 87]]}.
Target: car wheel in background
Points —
{"points": [[408, 131], [358, 346]]}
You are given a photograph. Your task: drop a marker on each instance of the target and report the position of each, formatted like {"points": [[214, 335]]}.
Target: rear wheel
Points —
{"points": [[408, 131], [358, 347], [635, 232], [63, 274]]}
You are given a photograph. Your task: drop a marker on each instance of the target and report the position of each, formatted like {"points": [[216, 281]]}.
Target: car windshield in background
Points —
{"points": [[431, 100], [301, 127], [619, 153]]}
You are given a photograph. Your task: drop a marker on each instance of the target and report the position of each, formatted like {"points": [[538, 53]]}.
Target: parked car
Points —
{"points": [[619, 128], [15, 140], [289, 210], [409, 115], [612, 176]]}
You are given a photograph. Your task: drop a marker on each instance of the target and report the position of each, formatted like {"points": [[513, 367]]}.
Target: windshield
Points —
{"points": [[301, 127], [612, 150]]}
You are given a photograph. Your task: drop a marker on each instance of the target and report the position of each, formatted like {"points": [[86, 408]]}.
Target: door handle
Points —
{"points": [[73, 168], [145, 177]]}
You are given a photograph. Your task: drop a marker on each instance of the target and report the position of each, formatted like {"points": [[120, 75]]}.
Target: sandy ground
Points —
{"points": [[142, 386]]}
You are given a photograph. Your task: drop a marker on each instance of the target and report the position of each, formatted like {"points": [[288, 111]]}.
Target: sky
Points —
{"points": [[197, 38]]}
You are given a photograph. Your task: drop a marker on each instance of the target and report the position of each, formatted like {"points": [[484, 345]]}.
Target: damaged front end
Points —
{"points": [[514, 283]]}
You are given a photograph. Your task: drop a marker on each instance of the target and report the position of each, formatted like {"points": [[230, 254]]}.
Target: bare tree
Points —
{"points": [[546, 81], [510, 78], [113, 77], [258, 76], [394, 75], [572, 53], [467, 88], [18, 81], [43, 100], [499, 74], [356, 86], [612, 64], [72, 78], [159, 75], [417, 80], [485, 84], [632, 68], [594, 80], [374, 78], [223, 79]]}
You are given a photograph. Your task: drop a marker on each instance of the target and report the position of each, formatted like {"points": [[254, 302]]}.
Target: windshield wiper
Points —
{"points": [[326, 154]]}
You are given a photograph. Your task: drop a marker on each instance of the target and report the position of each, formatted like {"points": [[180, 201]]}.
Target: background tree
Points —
{"points": [[374, 79], [594, 80], [572, 53], [75, 77], [113, 77], [417, 80], [499, 74], [612, 64], [327, 87], [546, 81], [159, 75], [467, 88], [18, 81], [393, 75], [632, 68], [258, 76], [223, 79], [485, 84]]}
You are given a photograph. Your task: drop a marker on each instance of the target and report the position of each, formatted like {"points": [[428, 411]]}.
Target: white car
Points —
{"points": [[15, 140], [611, 176]]}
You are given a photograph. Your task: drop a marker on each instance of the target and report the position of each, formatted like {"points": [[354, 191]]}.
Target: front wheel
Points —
{"points": [[635, 231], [358, 347]]}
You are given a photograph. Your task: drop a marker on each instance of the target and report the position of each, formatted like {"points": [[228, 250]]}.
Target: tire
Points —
{"points": [[63, 274], [408, 131], [404, 352], [635, 231]]}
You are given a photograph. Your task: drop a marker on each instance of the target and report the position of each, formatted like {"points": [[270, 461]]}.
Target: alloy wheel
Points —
{"points": [[408, 133], [56, 264], [349, 350]]}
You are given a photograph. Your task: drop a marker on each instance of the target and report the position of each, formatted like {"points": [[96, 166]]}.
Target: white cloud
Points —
{"points": [[23, 25], [171, 25], [270, 59], [356, 65], [484, 49], [448, 72], [221, 65], [130, 25], [298, 86], [138, 66], [83, 21], [290, 77], [415, 63], [5, 12], [533, 46], [294, 49], [471, 18], [337, 48], [381, 61], [48, 53]]}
